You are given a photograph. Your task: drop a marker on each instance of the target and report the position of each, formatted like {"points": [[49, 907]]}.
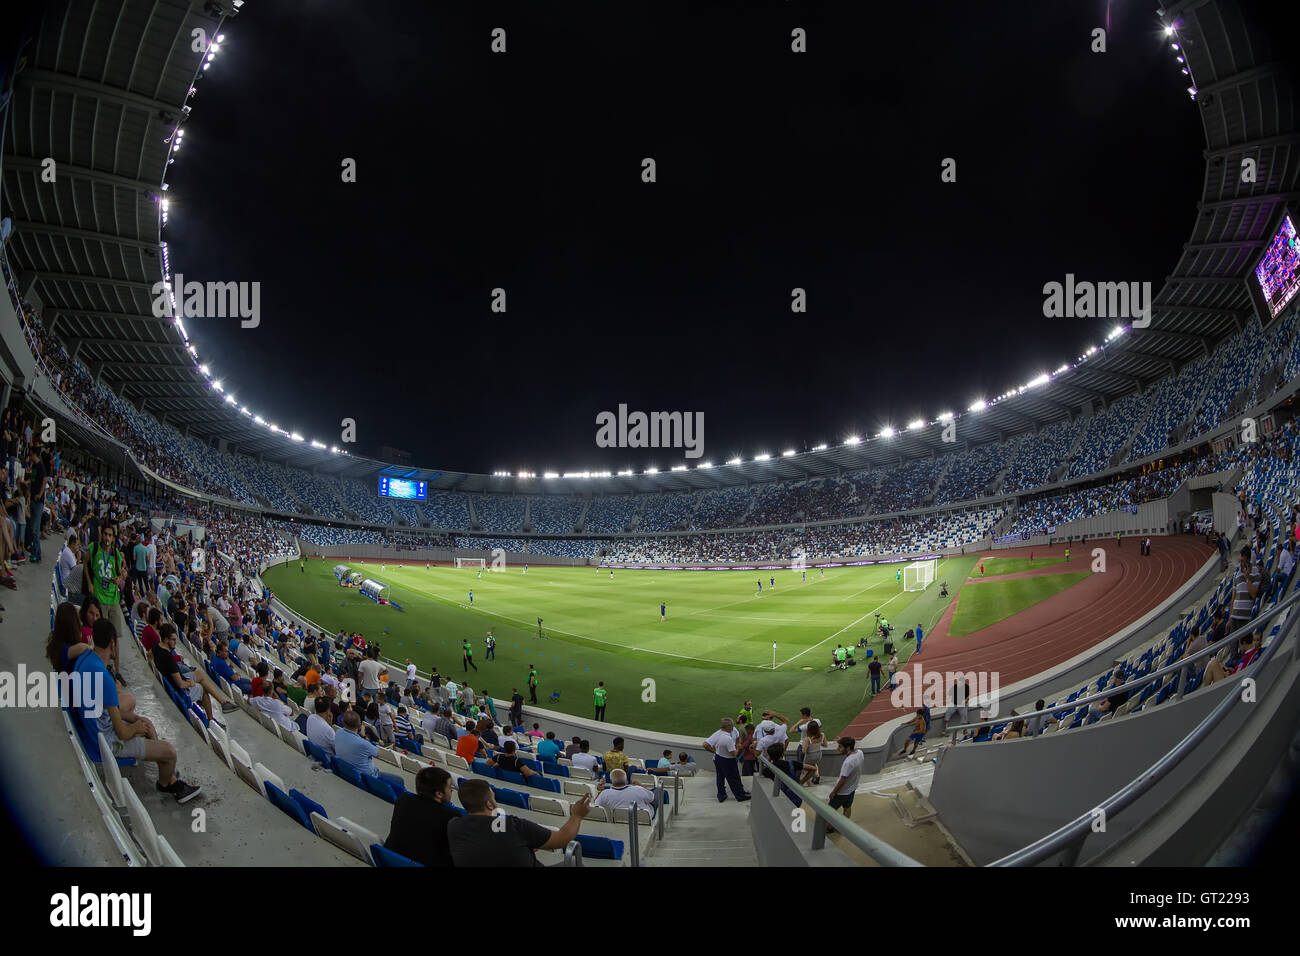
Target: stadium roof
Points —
{"points": [[106, 90]]}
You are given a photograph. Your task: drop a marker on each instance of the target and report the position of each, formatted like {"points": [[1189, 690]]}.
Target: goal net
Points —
{"points": [[919, 575], [471, 562]]}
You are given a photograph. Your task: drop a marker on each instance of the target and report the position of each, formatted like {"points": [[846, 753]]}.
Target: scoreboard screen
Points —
{"points": [[403, 488], [1276, 276]]}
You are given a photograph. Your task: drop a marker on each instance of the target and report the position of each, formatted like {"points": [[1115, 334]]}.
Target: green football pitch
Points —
{"points": [[712, 651]]}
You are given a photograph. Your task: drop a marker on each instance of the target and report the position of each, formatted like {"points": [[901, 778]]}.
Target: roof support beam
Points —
{"points": [[47, 79], [1244, 200], [1264, 142], [13, 162], [87, 235]]}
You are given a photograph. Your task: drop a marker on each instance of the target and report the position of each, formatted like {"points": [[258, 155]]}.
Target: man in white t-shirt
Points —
{"points": [[723, 747], [841, 797], [584, 758], [620, 794], [771, 730], [320, 725], [274, 707], [410, 672]]}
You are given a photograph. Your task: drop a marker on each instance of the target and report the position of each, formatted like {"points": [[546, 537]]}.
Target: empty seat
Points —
{"points": [[287, 804], [385, 857]]}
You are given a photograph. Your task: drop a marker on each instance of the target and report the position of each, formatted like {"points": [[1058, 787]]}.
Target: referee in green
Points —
{"points": [[600, 694]]}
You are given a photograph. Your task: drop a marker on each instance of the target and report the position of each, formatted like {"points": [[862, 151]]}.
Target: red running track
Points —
{"points": [[1058, 628]]}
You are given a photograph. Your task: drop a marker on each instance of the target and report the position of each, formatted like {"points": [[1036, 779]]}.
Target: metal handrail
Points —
{"points": [[572, 854], [1139, 682], [880, 851], [1073, 834]]}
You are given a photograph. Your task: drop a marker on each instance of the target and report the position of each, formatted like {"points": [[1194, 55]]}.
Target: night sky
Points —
{"points": [[775, 171]]}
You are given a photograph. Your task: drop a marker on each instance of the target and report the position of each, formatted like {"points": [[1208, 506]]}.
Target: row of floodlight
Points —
{"points": [[888, 432], [177, 140]]}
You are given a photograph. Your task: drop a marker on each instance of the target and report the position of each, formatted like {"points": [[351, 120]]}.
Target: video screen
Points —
{"points": [[1278, 271], [403, 488]]}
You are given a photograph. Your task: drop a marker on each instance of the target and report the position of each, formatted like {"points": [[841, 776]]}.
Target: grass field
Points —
{"points": [[987, 602], [994, 566], [713, 651]]}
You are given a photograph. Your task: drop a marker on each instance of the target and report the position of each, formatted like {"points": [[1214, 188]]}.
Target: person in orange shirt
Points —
{"points": [[470, 747]]}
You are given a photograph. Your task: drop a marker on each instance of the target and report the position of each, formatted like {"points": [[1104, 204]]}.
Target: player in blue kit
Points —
{"points": [[663, 611], [760, 585], [773, 583], [471, 598]]}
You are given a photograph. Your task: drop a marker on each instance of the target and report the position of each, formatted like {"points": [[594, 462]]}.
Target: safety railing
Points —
{"points": [[1071, 837], [874, 847], [1137, 683]]}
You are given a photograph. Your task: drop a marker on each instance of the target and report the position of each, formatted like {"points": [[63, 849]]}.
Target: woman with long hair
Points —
{"points": [[813, 743]]}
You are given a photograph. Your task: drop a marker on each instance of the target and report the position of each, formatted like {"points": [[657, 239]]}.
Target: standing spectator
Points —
{"points": [[1245, 590], [811, 752], [723, 747], [874, 669], [410, 673], [841, 796], [516, 709], [745, 750], [532, 684]]}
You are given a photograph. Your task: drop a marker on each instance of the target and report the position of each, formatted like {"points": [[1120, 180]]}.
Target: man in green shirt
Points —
{"points": [[746, 713], [105, 573], [532, 684], [600, 694], [467, 649]]}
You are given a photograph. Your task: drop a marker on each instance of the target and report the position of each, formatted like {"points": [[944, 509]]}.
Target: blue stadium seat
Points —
{"points": [[386, 857], [506, 797], [288, 805], [511, 776], [347, 772], [379, 788], [309, 806], [316, 753], [599, 847]]}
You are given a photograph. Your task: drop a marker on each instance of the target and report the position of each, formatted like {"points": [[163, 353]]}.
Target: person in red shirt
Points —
{"points": [[981, 569], [262, 671]]}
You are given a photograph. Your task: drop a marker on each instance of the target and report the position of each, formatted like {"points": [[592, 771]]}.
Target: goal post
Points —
{"points": [[919, 575], [471, 562]]}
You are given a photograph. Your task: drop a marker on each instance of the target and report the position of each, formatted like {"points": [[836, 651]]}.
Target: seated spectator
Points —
{"points": [[487, 730], [127, 734], [380, 723], [685, 766], [615, 759], [584, 758], [575, 745], [476, 840], [320, 725], [1036, 725], [469, 747], [200, 690], [618, 793], [359, 753], [263, 671], [1114, 701], [418, 830], [508, 759], [549, 749], [1017, 729], [274, 707], [536, 732], [402, 723], [663, 765], [1214, 672], [221, 664]]}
